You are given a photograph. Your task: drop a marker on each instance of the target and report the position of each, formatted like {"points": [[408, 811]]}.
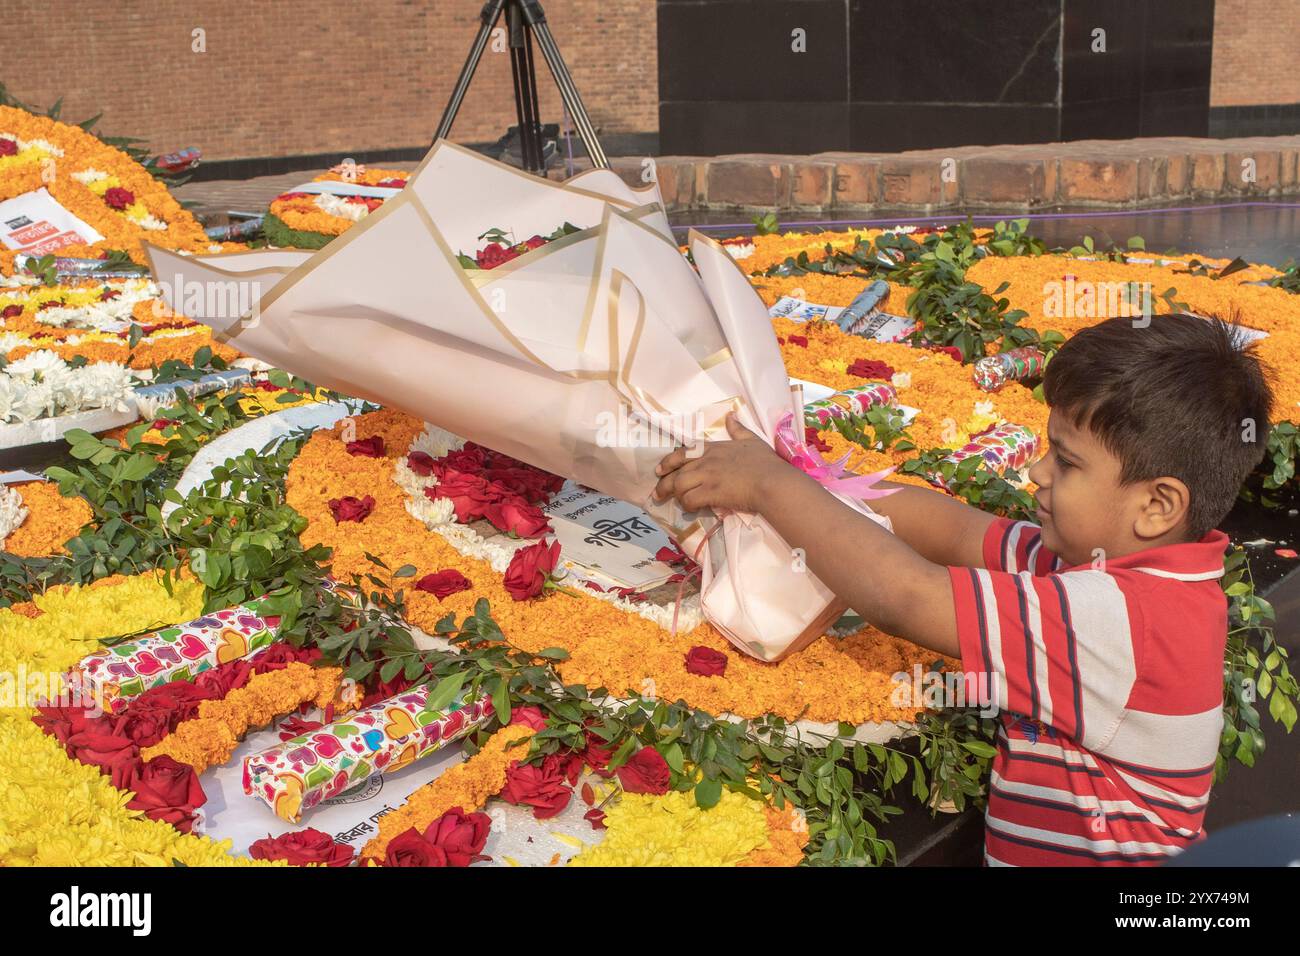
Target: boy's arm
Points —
{"points": [[876, 572], [880, 576], [940, 528]]}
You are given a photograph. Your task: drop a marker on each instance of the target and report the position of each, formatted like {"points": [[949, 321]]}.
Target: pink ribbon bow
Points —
{"points": [[833, 476]]}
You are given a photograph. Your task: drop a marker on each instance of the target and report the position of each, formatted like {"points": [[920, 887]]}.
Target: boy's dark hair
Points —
{"points": [[1180, 397]]}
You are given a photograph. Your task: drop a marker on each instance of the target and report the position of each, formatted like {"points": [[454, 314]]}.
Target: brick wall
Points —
{"points": [[1256, 49], [296, 77]]}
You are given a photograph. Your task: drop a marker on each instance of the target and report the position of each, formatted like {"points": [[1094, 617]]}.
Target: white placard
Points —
{"points": [[36, 224], [883, 328], [606, 540]]}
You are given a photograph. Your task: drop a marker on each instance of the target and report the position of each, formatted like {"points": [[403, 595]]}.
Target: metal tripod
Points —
{"points": [[524, 20]]}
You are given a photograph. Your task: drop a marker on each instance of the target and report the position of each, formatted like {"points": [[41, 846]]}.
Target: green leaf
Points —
{"points": [[445, 692], [707, 793]]}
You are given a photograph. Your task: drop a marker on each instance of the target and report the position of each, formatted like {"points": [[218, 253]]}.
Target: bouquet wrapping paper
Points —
{"points": [[298, 774], [993, 371], [605, 326], [179, 652]]}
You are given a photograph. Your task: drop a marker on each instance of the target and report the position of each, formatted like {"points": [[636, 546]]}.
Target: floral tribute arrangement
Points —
{"points": [[501, 247], [380, 589], [308, 220]]}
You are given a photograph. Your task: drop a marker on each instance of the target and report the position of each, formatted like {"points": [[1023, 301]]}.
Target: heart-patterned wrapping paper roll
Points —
{"points": [[296, 775], [1004, 448], [851, 403], [179, 652]]}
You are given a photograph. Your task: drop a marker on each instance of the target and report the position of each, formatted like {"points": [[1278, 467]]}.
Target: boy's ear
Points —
{"points": [[1164, 509]]}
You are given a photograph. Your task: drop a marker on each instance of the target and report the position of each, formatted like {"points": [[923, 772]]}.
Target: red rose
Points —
{"points": [[541, 788], [349, 508], [646, 772], [221, 680], [597, 755], [706, 662], [180, 699], [469, 459], [144, 726], [367, 447], [528, 716], [113, 753], [11, 311], [535, 242], [494, 254], [412, 849], [459, 835], [519, 517], [119, 198], [869, 368], [529, 568], [421, 463], [62, 723], [302, 848], [386, 689], [281, 654], [813, 440], [168, 791], [392, 183], [8, 147], [443, 583], [800, 340]]}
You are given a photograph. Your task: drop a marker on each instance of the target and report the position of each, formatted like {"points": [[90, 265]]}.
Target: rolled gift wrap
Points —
{"points": [[994, 371], [1006, 447], [179, 652], [850, 403], [855, 319], [298, 774]]}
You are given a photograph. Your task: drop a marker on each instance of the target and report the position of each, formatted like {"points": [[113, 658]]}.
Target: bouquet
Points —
{"points": [[542, 358]]}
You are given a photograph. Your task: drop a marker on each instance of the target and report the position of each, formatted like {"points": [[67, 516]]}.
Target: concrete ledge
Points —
{"points": [[1100, 173]]}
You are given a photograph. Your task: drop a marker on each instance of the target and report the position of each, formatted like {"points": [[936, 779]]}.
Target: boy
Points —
{"points": [[1102, 628]]}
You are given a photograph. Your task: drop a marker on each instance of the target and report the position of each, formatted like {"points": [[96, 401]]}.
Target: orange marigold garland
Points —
{"points": [[210, 738], [52, 519]]}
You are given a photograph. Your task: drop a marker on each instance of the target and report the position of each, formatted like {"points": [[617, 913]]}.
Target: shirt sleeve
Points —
{"points": [[1060, 648], [1017, 546]]}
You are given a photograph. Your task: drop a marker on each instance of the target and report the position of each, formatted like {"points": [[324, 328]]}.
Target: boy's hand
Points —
{"points": [[720, 474]]}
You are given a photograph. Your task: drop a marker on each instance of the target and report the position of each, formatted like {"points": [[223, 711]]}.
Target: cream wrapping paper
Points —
{"points": [[609, 321]]}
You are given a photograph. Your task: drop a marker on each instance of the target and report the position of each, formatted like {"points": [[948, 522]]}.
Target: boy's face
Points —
{"points": [[1084, 511]]}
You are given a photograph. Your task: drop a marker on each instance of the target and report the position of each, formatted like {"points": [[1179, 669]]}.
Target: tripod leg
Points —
{"points": [[525, 83], [568, 90], [488, 18]]}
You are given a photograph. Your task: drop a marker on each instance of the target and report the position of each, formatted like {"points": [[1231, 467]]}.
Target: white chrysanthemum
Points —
{"points": [[901, 380], [12, 512], [8, 394], [338, 206], [12, 340], [31, 401], [37, 366], [436, 442], [90, 175]]}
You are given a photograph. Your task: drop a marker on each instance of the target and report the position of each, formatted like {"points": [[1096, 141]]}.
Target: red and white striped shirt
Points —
{"points": [[1110, 685]]}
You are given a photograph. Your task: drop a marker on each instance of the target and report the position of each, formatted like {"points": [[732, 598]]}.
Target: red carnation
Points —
{"points": [[706, 662], [119, 198], [530, 568], [367, 447], [303, 848], [166, 790], [646, 772], [869, 368], [349, 508], [443, 583]]}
